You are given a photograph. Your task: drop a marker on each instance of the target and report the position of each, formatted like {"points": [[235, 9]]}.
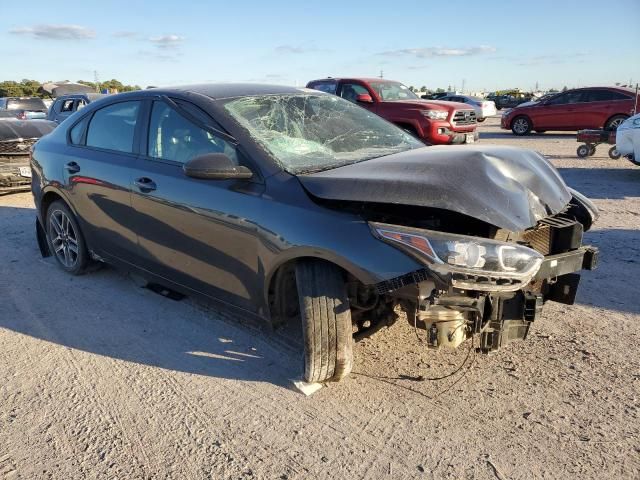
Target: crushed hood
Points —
{"points": [[506, 187]]}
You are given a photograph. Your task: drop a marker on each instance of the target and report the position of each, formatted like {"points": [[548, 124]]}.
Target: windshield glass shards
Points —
{"points": [[306, 132]]}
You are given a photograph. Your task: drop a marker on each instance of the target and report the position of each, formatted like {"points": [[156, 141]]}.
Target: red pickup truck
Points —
{"points": [[434, 122]]}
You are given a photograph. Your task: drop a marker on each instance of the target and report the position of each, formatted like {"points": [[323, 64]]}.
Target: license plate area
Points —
{"points": [[25, 172], [469, 138]]}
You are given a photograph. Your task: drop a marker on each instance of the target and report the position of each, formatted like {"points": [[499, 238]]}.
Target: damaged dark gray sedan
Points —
{"points": [[294, 204]]}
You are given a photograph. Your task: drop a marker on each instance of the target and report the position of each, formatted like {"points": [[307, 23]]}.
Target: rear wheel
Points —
{"points": [[326, 321], [614, 122], [65, 239], [583, 151], [614, 154], [480, 120], [521, 126]]}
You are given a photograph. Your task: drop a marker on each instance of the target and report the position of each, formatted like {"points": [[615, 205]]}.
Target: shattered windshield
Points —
{"points": [[306, 132]]}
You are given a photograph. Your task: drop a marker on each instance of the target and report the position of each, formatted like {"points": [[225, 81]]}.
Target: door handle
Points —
{"points": [[72, 167], [145, 184]]}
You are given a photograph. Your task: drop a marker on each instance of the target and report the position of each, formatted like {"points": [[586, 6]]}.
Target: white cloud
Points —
{"points": [[55, 32], [431, 52], [167, 41]]}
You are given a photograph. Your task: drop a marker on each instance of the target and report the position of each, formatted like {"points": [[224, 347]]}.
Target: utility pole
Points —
{"points": [[96, 80], [381, 74], [463, 83]]}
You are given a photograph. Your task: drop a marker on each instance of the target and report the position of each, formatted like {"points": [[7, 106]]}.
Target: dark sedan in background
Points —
{"points": [[291, 204]]}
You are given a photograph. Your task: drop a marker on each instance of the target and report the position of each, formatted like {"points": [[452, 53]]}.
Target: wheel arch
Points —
{"points": [[291, 257], [611, 117]]}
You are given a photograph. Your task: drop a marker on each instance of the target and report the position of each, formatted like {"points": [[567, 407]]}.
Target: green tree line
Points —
{"points": [[31, 88]]}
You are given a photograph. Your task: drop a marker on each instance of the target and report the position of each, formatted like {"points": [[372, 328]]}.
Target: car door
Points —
{"points": [[558, 113], [97, 175], [194, 232]]}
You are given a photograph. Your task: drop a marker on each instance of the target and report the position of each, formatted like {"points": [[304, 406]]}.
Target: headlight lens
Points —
{"points": [[435, 114], [473, 262]]}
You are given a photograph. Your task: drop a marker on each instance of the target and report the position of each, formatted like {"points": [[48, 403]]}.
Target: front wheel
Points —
{"points": [[65, 239], [326, 321], [521, 126], [480, 120], [614, 154]]}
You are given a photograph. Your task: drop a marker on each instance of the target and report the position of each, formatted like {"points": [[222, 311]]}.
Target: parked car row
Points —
{"points": [[297, 205]]}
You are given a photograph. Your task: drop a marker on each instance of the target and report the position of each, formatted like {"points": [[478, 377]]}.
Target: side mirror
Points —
{"points": [[364, 98], [215, 166]]}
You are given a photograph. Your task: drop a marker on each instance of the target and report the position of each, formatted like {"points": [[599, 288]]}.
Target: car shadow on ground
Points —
{"points": [[613, 285], [107, 313], [604, 183]]}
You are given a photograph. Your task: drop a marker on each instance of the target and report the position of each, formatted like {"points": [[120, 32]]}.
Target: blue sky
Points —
{"points": [[488, 45]]}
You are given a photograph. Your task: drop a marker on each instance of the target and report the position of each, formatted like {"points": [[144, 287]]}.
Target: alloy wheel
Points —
{"points": [[64, 238], [613, 125], [521, 125]]}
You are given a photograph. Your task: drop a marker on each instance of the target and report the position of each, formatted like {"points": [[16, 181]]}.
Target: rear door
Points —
{"points": [[600, 104], [97, 173], [194, 232]]}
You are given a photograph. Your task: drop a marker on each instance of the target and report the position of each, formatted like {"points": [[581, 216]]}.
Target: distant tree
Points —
{"points": [[564, 89], [424, 89], [440, 90], [553, 90], [412, 88]]}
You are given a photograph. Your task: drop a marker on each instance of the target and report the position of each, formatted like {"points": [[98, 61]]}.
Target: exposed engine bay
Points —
{"points": [[451, 301]]}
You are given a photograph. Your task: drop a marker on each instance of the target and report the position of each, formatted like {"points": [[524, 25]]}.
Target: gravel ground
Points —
{"points": [[100, 378]]}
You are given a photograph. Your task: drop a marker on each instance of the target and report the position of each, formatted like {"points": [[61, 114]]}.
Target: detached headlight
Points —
{"points": [[435, 114], [474, 263]]}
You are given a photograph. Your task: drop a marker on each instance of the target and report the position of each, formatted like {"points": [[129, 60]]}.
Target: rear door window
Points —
{"points": [[604, 96], [113, 127]]}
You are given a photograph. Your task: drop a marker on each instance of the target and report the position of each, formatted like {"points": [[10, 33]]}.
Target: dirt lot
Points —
{"points": [[100, 378]]}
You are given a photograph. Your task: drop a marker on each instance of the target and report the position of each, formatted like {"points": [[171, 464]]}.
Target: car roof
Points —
{"points": [[90, 95], [361, 79], [227, 90]]}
